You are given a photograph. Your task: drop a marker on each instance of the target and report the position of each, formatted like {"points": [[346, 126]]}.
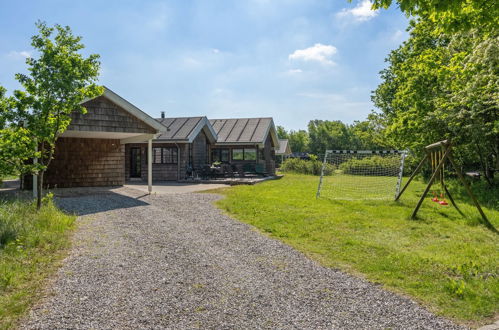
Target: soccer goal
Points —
{"points": [[361, 174]]}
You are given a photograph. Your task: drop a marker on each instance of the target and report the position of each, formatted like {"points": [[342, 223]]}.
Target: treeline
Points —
{"points": [[325, 134], [442, 83]]}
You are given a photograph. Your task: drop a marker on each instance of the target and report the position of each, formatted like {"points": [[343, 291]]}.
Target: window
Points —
{"points": [[164, 155], [220, 155], [244, 154], [238, 154], [249, 154]]}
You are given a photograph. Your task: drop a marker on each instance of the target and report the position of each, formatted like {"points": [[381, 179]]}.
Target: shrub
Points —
{"points": [[302, 166], [368, 165]]}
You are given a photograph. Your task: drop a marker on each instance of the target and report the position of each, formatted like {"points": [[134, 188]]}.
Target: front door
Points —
{"points": [[135, 162]]}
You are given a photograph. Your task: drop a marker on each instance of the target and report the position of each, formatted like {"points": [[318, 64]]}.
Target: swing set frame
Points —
{"points": [[437, 154]]}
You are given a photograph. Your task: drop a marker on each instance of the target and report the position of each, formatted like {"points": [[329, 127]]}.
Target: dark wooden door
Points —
{"points": [[135, 162]]}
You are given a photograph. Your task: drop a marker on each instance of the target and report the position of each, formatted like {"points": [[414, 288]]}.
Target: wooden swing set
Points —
{"points": [[437, 154]]}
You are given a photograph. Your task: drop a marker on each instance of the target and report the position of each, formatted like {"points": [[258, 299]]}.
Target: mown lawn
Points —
{"points": [[31, 245], [447, 262]]}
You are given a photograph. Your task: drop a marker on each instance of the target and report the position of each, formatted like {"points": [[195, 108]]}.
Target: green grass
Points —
{"points": [[31, 245], [447, 262]]}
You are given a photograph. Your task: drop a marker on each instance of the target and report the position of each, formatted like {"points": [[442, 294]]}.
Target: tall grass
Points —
{"points": [[31, 242]]}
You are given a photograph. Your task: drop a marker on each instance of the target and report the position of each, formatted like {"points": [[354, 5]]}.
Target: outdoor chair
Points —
{"points": [[227, 171]]}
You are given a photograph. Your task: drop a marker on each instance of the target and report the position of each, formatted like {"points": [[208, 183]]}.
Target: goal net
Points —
{"points": [[361, 174]]}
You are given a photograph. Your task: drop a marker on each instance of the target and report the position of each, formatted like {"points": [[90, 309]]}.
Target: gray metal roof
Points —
{"points": [[283, 147], [179, 129], [242, 130]]}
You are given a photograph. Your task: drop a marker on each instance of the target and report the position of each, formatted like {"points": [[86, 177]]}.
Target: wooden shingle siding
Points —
{"points": [[199, 151], [269, 156], [160, 172], [105, 116], [86, 162]]}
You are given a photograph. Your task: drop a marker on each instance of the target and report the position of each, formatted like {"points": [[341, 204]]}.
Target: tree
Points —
{"points": [[443, 86], [450, 15], [325, 134], [58, 81], [282, 133], [16, 144], [299, 141]]}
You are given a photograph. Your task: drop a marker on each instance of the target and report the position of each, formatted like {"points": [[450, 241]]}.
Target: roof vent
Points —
{"points": [[162, 114]]}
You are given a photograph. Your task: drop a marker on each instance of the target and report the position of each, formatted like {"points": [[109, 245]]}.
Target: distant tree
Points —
{"points": [[365, 135], [325, 134], [281, 132], [299, 141], [58, 81]]}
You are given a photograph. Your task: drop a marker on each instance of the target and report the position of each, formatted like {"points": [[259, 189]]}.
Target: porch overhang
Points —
{"points": [[122, 136]]}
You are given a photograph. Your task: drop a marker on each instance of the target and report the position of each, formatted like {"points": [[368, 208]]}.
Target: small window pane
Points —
{"points": [[224, 155], [166, 156], [156, 155], [237, 154], [249, 154], [174, 155]]}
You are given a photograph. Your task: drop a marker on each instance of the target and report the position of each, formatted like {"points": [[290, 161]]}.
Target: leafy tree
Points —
{"points": [[58, 81], [325, 134], [15, 142], [443, 86], [450, 15], [281, 132], [298, 141]]}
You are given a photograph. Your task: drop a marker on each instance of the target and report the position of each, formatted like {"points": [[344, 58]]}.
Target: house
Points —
{"points": [[91, 152], [284, 150], [190, 143], [246, 141], [115, 142]]}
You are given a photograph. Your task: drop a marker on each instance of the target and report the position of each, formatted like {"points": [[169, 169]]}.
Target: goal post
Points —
{"points": [[361, 174]]}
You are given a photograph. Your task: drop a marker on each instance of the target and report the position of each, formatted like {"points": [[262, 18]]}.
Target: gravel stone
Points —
{"points": [[177, 262]]}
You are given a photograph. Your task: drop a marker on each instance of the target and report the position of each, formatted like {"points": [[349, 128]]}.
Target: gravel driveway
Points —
{"points": [[175, 261]]}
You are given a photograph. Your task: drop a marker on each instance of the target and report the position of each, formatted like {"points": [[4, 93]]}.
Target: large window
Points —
{"points": [[164, 155], [220, 155], [244, 154]]}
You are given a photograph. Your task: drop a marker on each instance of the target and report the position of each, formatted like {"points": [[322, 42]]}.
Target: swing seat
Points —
{"points": [[435, 199], [444, 203]]}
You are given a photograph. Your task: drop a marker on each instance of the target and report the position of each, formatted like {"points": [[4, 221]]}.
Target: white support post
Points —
{"points": [[149, 165], [35, 177]]}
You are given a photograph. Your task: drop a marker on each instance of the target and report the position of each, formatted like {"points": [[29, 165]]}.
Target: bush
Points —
{"points": [[302, 166], [367, 165]]}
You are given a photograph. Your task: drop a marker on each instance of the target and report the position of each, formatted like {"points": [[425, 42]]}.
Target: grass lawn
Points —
{"points": [[31, 245], [447, 262]]}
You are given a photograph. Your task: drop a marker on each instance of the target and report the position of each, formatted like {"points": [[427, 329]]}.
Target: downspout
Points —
{"points": [[178, 161]]}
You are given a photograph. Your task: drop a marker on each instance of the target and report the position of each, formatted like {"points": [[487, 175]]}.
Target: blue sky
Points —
{"points": [[294, 60]]}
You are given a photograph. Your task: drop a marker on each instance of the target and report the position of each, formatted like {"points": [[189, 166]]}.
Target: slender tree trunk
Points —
{"points": [[39, 192], [483, 163]]}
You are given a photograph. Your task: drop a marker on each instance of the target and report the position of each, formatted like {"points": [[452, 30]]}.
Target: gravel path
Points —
{"points": [[174, 261]]}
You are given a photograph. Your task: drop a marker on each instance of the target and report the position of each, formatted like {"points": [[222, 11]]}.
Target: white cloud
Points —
{"points": [[397, 36], [362, 12], [294, 71], [21, 54], [215, 51], [318, 52]]}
